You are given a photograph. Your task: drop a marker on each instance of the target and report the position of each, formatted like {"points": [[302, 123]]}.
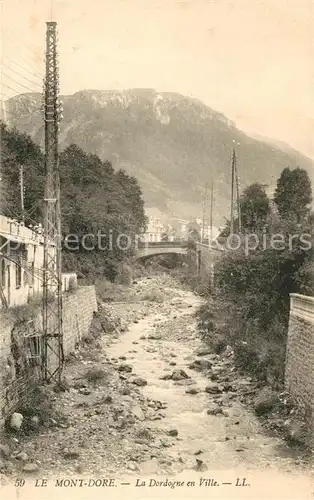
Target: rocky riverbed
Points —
{"points": [[150, 400]]}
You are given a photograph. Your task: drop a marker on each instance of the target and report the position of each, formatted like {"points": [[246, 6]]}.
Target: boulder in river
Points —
{"points": [[16, 421], [213, 388], [214, 410], [138, 412], [173, 432], [125, 368], [203, 351], [144, 434], [71, 454], [176, 375], [296, 433], [200, 364], [265, 401], [30, 468], [192, 390], [22, 456], [154, 336], [4, 451], [34, 422], [139, 381], [200, 466], [179, 375]]}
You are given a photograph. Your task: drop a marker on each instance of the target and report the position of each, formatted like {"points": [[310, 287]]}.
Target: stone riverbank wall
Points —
{"points": [[299, 373], [21, 344], [206, 258]]}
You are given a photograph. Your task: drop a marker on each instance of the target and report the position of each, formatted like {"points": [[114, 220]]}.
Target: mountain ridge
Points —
{"points": [[172, 143]]}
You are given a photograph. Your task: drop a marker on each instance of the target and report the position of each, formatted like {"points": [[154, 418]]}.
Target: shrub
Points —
{"points": [[124, 275], [96, 375], [252, 297]]}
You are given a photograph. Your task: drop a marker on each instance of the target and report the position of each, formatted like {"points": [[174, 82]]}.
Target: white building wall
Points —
{"points": [[21, 264], [154, 231]]}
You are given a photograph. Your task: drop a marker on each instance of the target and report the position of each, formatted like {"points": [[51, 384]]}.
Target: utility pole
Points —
{"points": [[53, 357], [211, 212], [22, 192], [238, 199], [232, 192], [205, 196]]}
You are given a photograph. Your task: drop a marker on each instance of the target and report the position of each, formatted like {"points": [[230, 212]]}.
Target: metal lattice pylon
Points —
{"points": [[53, 358]]}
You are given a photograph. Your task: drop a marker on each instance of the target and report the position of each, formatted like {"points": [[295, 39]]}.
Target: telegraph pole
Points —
{"points": [[211, 212], [53, 357], [232, 192], [238, 198], [205, 196], [22, 192]]}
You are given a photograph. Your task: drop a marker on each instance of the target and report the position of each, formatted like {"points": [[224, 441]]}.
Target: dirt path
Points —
{"points": [[157, 408]]}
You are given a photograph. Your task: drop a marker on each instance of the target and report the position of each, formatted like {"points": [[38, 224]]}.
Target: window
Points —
{"points": [[2, 273], [32, 279], [18, 274], [25, 277]]}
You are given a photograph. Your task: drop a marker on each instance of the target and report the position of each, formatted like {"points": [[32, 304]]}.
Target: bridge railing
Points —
{"points": [[161, 244]]}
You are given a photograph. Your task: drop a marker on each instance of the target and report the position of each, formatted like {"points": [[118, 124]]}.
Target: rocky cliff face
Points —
{"points": [[173, 144]]}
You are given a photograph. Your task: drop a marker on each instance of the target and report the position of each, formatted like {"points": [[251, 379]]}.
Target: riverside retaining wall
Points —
{"points": [[299, 372], [20, 342], [206, 259]]}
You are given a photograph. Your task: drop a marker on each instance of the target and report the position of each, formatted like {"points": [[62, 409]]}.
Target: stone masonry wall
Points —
{"points": [[16, 372], [207, 257], [299, 373], [78, 310]]}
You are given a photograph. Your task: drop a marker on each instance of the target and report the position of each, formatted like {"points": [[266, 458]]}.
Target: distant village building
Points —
{"points": [[181, 231], [154, 231], [169, 234], [206, 232], [157, 232]]}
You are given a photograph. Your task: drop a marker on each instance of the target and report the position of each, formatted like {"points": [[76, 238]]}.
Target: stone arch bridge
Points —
{"points": [[152, 249], [205, 255]]}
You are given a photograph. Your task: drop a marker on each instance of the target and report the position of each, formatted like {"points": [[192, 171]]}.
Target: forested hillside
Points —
{"points": [[172, 143], [95, 200]]}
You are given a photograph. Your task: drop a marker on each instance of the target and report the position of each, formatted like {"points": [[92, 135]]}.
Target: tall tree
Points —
{"points": [[18, 149], [95, 201], [194, 231], [254, 205], [254, 208], [293, 194]]}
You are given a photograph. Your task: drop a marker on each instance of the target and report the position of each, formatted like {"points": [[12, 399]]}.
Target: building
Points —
{"points": [[179, 229], [22, 263], [155, 230]]}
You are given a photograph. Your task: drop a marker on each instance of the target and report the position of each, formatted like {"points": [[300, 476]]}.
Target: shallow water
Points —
{"points": [[232, 441]]}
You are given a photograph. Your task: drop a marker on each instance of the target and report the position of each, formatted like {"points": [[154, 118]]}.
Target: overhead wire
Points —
{"points": [[23, 43], [26, 69], [15, 90], [28, 63], [19, 74], [21, 84], [31, 65]]}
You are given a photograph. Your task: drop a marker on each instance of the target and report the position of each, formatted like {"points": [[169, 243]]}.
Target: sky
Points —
{"points": [[252, 60]]}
